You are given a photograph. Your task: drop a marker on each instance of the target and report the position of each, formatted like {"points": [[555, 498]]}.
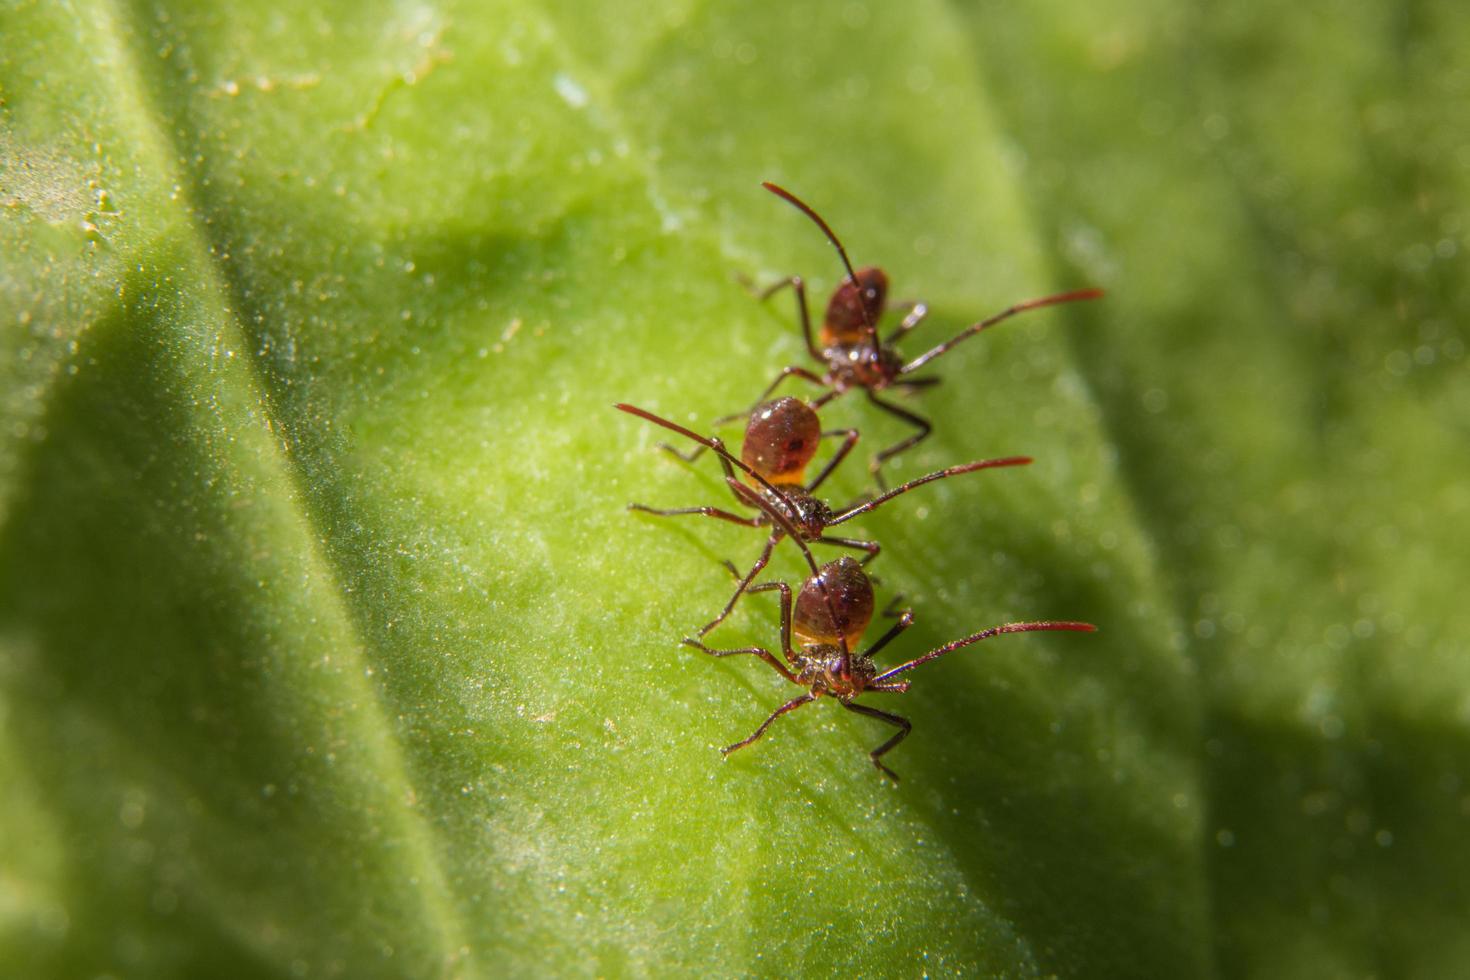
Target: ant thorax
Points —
{"points": [[864, 364], [855, 358], [828, 669], [806, 513]]}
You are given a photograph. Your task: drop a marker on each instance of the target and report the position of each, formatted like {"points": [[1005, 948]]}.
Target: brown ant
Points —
{"points": [[852, 352], [780, 441], [833, 609]]}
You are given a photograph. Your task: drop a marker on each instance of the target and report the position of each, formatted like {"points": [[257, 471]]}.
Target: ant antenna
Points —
{"points": [[1074, 296], [806, 209], [982, 464], [983, 635]]}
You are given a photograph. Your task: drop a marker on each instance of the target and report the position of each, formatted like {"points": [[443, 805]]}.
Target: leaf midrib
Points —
{"points": [[223, 291]]}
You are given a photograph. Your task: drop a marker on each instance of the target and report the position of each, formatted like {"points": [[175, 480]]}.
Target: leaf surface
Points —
{"points": [[327, 646]]}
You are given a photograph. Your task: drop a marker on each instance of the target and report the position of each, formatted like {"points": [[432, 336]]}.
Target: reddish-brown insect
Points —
{"points": [[832, 611], [780, 441], [850, 350]]}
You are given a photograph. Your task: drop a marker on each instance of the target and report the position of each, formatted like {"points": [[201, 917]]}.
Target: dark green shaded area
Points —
{"points": [[1294, 429]]}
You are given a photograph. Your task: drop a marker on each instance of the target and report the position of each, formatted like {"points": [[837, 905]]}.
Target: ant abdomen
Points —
{"points": [[835, 605], [855, 308], [781, 439]]}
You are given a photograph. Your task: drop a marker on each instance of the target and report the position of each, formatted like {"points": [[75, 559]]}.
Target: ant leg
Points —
{"points": [[791, 705], [740, 589], [915, 316], [897, 721], [688, 457], [761, 652], [715, 512], [871, 547], [802, 311], [982, 464], [786, 372], [795, 282], [917, 421], [849, 439], [891, 611], [785, 591], [822, 399]]}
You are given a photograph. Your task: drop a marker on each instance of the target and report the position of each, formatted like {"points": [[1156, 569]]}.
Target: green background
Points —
{"points": [[328, 649]]}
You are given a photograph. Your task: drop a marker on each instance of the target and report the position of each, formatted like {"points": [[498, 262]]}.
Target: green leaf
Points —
{"points": [[327, 645]]}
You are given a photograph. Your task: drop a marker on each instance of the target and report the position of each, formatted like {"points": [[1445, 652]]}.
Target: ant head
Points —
{"points": [[781, 440], [855, 307], [835, 605]]}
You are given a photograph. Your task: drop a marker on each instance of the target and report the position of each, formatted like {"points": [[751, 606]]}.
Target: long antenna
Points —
{"points": [[984, 635], [983, 464], [806, 209], [1074, 296]]}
